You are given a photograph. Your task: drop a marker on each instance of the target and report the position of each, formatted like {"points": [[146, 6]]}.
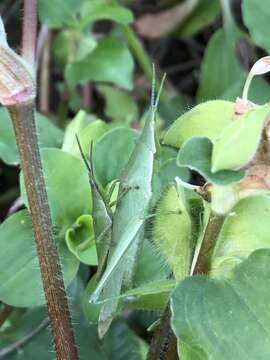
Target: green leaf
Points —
{"points": [[225, 319], [239, 141], [80, 240], [49, 136], [111, 61], [111, 153], [207, 119], [172, 231], [220, 67], [243, 232], [120, 107], [90, 310], [256, 17], [165, 175], [121, 343], [41, 343], [86, 131], [58, 13], [67, 186], [20, 282], [204, 14], [101, 10], [70, 45], [196, 154], [259, 91], [171, 107]]}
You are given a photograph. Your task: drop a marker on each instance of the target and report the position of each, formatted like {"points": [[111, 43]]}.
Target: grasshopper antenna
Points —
{"points": [[155, 99], [153, 87], [160, 90], [89, 168]]}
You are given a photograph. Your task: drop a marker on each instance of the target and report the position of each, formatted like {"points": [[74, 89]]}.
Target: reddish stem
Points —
{"points": [[29, 31]]}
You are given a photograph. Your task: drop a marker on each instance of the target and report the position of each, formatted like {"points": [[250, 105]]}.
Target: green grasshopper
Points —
{"points": [[127, 234], [102, 215]]}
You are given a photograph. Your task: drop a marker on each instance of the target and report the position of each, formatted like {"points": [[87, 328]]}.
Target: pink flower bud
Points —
{"points": [[17, 84]]}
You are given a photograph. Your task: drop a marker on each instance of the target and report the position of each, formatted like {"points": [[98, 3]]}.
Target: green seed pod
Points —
{"points": [[172, 231]]}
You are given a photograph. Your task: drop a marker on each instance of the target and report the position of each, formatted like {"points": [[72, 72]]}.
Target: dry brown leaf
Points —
{"points": [[160, 24]]}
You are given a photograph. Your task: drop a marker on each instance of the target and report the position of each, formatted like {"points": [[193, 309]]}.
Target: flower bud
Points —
{"points": [[262, 66], [17, 84]]}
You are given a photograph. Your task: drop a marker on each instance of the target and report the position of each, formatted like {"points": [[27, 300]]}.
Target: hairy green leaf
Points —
{"points": [[225, 319], [244, 230], [196, 155], [207, 119], [238, 142]]}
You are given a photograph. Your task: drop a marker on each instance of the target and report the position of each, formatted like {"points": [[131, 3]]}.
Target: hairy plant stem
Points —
{"points": [[211, 233], [27, 141], [164, 343]]}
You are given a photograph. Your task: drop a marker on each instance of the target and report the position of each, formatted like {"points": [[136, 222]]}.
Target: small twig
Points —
{"points": [[24, 340], [29, 31], [86, 96], [44, 96], [4, 314], [41, 41], [226, 11]]}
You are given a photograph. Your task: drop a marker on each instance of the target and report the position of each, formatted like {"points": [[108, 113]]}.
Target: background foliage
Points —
{"points": [[94, 71]]}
